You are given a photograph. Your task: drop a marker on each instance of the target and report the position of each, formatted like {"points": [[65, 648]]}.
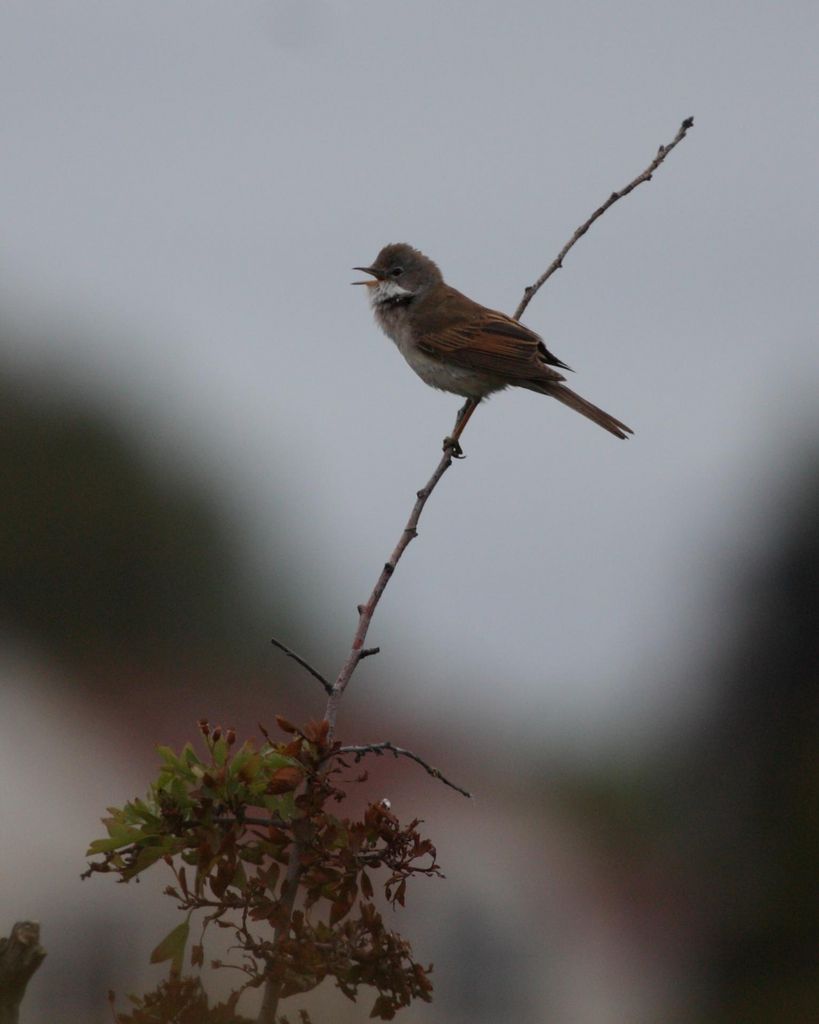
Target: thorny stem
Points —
{"points": [[272, 991], [304, 664], [530, 292], [366, 611]]}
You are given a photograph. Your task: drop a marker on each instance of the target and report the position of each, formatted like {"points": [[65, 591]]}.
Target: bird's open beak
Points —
{"points": [[377, 274]]}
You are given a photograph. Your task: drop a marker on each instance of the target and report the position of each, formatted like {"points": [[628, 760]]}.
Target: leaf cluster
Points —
{"points": [[180, 1001], [248, 833]]}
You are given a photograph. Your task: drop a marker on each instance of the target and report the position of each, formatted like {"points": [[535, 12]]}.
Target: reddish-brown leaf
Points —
{"points": [[270, 876], [284, 780], [383, 1008], [342, 906], [221, 880], [316, 732]]}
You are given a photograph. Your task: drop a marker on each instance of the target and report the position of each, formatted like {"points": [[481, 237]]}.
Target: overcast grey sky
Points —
{"points": [[190, 184]]}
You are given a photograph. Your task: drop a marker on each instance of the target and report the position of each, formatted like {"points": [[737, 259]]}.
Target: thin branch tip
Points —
{"points": [[556, 264], [328, 688], [379, 749]]}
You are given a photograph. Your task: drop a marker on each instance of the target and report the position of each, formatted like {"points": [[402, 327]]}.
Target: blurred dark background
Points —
{"points": [[204, 443], [130, 609]]}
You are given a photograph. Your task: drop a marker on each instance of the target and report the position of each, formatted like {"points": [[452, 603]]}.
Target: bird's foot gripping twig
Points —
{"points": [[453, 447]]}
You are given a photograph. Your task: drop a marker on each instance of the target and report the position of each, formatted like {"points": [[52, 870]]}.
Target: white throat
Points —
{"points": [[385, 292]]}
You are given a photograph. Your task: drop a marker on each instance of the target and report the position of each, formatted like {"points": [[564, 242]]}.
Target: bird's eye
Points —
{"points": [[397, 271]]}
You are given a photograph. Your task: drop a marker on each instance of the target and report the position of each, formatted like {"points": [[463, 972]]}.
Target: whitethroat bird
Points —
{"points": [[457, 345]]}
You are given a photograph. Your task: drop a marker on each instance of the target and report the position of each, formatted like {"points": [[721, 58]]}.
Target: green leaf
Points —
{"points": [[140, 811], [220, 752], [147, 856], [189, 756], [172, 947], [118, 835], [283, 804], [239, 880], [178, 792], [274, 759], [104, 846], [168, 756]]}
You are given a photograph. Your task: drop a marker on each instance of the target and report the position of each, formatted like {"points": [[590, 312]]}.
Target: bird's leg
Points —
{"points": [[451, 443], [464, 413]]}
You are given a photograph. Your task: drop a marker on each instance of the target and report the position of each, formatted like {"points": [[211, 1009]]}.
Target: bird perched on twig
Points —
{"points": [[457, 345]]}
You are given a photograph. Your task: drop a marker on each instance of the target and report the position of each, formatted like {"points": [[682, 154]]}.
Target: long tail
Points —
{"points": [[574, 401]]}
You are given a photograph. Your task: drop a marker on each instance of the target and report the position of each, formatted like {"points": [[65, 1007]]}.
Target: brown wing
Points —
{"points": [[478, 338]]}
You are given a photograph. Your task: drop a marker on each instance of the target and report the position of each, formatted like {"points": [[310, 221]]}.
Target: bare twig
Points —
{"points": [[304, 664], [379, 748], [530, 292], [366, 611]]}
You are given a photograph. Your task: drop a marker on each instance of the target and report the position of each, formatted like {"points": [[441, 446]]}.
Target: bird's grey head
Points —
{"points": [[400, 274]]}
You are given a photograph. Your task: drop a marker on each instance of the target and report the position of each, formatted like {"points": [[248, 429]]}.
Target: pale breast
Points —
{"points": [[459, 380]]}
